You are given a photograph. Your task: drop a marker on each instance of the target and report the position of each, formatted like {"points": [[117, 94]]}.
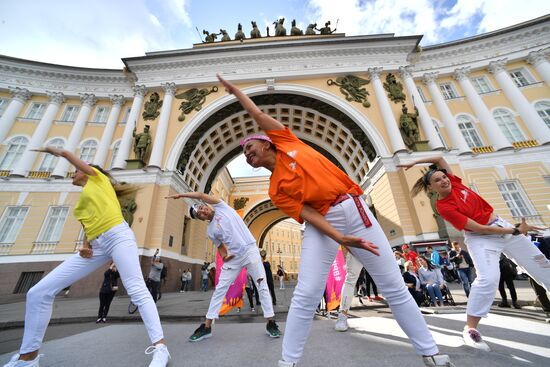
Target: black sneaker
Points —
{"points": [[272, 329], [201, 333]]}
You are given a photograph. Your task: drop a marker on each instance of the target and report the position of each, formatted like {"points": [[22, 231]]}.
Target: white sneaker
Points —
{"points": [[286, 364], [341, 323], [160, 353], [438, 360], [472, 338], [16, 362]]}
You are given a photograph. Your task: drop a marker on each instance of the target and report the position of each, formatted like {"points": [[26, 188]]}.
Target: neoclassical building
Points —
{"points": [[368, 103]]}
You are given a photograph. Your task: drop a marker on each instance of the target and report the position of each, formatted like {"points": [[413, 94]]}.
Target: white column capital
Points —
{"points": [[88, 99], [406, 71], [461, 73], [139, 90], [117, 99], [429, 78], [169, 88], [20, 94], [497, 66], [56, 97], [536, 57], [375, 73]]}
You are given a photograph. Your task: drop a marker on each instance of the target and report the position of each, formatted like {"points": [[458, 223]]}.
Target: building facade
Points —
{"points": [[368, 103]]}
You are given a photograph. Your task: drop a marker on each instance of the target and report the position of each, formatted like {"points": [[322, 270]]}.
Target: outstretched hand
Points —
{"points": [[50, 150], [229, 88], [358, 242], [177, 196], [524, 228], [405, 165]]}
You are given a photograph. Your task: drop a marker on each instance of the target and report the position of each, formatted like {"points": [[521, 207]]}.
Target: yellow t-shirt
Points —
{"points": [[98, 208]]}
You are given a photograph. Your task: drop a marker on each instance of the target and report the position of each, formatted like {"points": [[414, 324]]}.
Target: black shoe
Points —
{"points": [[504, 304], [272, 329], [515, 304], [201, 333]]}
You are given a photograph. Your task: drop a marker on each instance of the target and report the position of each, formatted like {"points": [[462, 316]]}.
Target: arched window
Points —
{"points": [[115, 153], [543, 108], [506, 122], [87, 150], [16, 147], [49, 161], [469, 131]]}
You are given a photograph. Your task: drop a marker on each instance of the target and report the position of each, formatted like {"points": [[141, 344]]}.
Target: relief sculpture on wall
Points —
{"points": [[194, 99], [351, 87]]}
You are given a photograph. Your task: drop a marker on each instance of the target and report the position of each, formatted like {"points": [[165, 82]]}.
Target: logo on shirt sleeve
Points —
{"points": [[292, 154]]}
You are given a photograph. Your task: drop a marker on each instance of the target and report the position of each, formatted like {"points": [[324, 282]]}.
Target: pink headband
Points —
{"points": [[255, 137]]}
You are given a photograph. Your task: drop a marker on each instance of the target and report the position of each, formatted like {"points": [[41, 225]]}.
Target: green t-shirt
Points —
{"points": [[98, 208]]}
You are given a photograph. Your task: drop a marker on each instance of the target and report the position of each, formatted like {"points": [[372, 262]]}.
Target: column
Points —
{"points": [[88, 101], [126, 143], [396, 140], [492, 130], [39, 136], [425, 120], [107, 136], [531, 118], [162, 128], [457, 139], [541, 64], [19, 97]]}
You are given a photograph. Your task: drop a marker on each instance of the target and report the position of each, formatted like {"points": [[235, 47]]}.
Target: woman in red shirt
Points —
{"points": [[486, 235], [308, 187]]}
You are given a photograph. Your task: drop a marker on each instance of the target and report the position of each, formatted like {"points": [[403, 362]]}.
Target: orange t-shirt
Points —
{"points": [[304, 176]]}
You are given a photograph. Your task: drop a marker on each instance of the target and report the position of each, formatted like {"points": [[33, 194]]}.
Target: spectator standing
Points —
{"points": [[183, 281], [542, 296], [155, 276], [400, 260], [464, 265], [508, 271], [409, 255], [269, 276], [107, 292], [204, 278], [189, 284], [281, 275], [433, 256]]}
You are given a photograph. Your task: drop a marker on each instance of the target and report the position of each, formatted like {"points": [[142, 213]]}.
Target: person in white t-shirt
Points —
{"points": [[227, 228]]}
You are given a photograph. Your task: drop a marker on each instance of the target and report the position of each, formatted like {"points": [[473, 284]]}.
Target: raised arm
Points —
{"points": [[73, 159], [208, 199], [314, 218], [263, 120], [439, 161]]}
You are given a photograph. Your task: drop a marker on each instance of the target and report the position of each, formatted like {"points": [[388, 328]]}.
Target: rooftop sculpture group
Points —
{"points": [[280, 31]]}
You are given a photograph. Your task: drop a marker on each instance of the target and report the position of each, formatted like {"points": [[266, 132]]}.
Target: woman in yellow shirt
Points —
{"points": [[108, 238]]}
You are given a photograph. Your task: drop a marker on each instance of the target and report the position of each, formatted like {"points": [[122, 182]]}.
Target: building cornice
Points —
{"points": [[38, 77]]}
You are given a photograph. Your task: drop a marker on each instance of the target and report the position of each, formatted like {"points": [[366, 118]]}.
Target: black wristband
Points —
{"points": [[515, 232]]}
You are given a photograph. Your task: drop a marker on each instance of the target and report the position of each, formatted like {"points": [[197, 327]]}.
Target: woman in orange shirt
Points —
{"points": [[308, 187]]}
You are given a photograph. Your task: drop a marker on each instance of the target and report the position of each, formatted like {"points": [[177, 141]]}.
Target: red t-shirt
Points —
{"points": [[463, 203], [304, 176]]}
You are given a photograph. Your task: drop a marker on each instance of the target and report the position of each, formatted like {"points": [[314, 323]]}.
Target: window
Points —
{"points": [[3, 105], [27, 280], [126, 115], [481, 84], [70, 113], [422, 96], [101, 114], [11, 223], [87, 150], [448, 91], [515, 199], [436, 126], [36, 110], [469, 131], [16, 147], [506, 122], [543, 109], [53, 225], [49, 161], [521, 77]]}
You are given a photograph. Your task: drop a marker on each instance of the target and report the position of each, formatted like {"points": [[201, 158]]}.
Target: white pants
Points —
{"points": [[118, 244], [282, 282], [318, 253], [252, 261], [353, 270], [485, 252]]}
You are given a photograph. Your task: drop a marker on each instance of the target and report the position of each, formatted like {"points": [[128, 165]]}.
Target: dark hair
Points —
{"points": [[121, 188], [429, 264], [423, 182]]}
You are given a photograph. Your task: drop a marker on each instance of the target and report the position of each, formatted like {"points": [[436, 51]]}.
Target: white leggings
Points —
{"points": [[118, 244], [318, 253], [485, 252], [252, 261], [353, 270]]}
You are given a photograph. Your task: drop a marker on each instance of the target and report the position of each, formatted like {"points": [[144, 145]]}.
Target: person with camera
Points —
{"points": [[107, 292], [464, 266], [155, 275]]}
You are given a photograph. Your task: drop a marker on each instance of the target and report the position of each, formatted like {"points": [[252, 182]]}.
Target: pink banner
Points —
{"points": [[234, 295], [335, 281]]}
